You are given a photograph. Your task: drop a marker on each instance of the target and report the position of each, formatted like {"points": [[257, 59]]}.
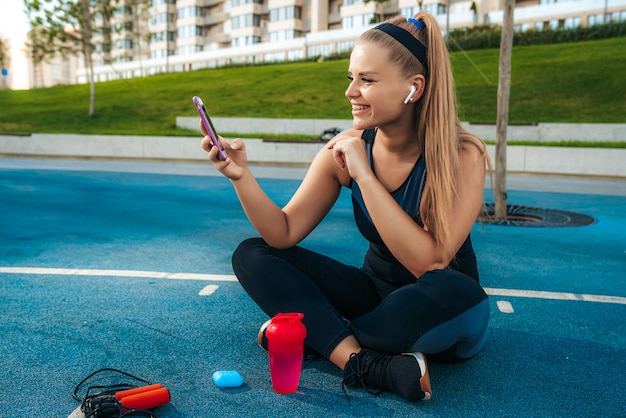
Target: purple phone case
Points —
{"points": [[208, 125]]}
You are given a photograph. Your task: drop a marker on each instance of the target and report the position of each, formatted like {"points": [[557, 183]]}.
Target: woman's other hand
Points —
{"points": [[350, 154]]}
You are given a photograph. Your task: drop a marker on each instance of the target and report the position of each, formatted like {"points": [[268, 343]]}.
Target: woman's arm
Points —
{"points": [[410, 243], [281, 227]]}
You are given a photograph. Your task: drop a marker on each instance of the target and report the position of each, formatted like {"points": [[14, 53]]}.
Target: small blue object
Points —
{"points": [[5, 72], [420, 25], [227, 378]]}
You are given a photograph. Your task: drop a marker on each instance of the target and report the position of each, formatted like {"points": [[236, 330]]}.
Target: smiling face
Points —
{"points": [[377, 88]]}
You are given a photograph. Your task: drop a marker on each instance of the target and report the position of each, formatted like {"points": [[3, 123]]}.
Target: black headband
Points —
{"points": [[405, 37]]}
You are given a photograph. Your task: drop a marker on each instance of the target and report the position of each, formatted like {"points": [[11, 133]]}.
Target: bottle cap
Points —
{"points": [[286, 327]]}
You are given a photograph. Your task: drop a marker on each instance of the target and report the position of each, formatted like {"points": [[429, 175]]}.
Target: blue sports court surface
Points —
{"points": [[127, 265]]}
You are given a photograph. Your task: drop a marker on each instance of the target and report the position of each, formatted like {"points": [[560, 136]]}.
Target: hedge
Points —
{"points": [[488, 36]]}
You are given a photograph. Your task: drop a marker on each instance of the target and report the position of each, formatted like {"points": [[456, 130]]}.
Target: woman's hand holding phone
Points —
{"points": [[207, 127], [228, 157]]}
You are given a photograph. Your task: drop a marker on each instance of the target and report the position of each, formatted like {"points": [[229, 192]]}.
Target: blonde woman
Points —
{"points": [[417, 180]]}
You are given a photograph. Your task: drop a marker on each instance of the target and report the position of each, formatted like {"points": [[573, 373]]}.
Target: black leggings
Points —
{"points": [[443, 314]]}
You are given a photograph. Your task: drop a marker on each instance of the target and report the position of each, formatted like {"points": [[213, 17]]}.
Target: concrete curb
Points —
{"points": [[520, 159], [613, 132]]}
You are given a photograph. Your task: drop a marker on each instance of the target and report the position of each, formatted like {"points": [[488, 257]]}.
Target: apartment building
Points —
{"points": [[154, 36], [185, 27]]}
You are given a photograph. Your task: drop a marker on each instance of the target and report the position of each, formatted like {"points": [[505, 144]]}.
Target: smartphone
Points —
{"points": [[208, 126]]}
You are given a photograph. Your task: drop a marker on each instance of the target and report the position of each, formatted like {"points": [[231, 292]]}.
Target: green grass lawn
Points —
{"points": [[569, 83]]}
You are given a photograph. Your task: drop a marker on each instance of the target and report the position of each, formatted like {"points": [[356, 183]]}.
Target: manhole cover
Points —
{"points": [[535, 217]]}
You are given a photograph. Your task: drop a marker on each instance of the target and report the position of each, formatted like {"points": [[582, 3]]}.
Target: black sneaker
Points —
{"points": [[405, 374]]}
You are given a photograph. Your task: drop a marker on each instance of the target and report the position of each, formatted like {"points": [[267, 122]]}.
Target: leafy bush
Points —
{"points": [[488, 36]]}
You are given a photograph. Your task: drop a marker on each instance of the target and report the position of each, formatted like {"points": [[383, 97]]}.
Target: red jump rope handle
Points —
{"points": [[141, 389], [147, 400]]}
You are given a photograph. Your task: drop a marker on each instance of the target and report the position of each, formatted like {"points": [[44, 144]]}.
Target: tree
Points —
{"points": [[4, 59], [67, 27], [504, 87], [3, 53], [474, 10], [102, 21], [140, 14], [39, 51]]}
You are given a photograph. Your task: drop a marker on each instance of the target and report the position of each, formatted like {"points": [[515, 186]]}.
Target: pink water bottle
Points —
{"points": [[285, 341]]}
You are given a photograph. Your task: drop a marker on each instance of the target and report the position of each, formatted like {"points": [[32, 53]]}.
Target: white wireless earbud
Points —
{"points": [[410, 96]]}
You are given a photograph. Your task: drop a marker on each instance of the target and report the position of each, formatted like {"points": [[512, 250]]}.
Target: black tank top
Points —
{"points": [[408, 195], [379, 262]]}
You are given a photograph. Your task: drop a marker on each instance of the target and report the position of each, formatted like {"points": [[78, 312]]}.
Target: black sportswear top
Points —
{"points": [[379, 261]]}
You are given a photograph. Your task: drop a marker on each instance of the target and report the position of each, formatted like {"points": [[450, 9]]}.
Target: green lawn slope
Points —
{"points": [[571, 83]]}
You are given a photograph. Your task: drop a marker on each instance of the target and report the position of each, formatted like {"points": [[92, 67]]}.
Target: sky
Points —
{"points": [[14, 25]]}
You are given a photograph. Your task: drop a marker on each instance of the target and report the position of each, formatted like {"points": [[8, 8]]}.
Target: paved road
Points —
{"points": [[126, 265]]}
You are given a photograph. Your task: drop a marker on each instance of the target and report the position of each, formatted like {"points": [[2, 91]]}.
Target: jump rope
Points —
{"points": [[121, 399]]}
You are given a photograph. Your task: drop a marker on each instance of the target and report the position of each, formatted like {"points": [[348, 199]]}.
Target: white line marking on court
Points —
{"points": [[119, 273], [504, 306], [539, 294], [519, 293], [208, 290]]}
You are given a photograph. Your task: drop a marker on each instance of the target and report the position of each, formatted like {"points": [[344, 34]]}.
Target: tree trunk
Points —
{"points": [[504, 88], [85, 16]]}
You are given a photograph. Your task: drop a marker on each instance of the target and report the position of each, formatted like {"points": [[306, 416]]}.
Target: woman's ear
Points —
{"points": [[419, 81]]}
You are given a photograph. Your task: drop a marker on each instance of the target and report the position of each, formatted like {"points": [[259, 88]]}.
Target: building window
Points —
{"points": [[162, 36], [408, 11], [358, 21], [128, 26], [189, 49], [285, 13], [246, 40], [235, 3], [596, 19], [161, 18], [274, 57], [161, 53], [123, 44], [435, 8], [345, 46], [367, 19], [192, 11], [295, 55], [189, 31], [100, 48], [285, 35], [122, 11], [245, 21], [572, 22], [432, 8], [319, 50]]}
